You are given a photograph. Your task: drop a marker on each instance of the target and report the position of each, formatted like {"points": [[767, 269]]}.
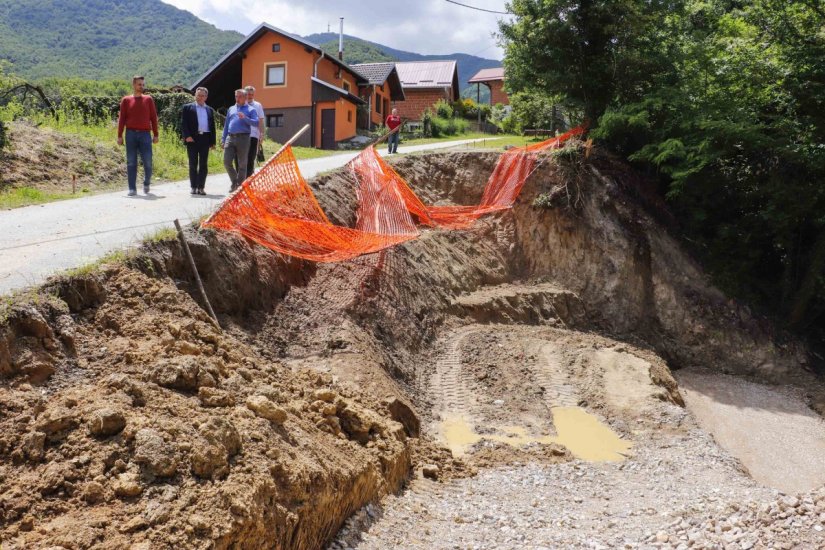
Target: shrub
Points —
{"points": [[4, 140], [443, 109]]}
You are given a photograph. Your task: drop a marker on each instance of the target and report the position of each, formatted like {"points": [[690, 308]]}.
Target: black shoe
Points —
{"points": [[201, 192], [193, 192]]}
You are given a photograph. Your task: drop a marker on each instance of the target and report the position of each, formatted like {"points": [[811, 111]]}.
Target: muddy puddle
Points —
{"points": [[584, 435]]}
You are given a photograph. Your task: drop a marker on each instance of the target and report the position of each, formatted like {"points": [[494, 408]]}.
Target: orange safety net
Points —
{"points": [[503, 186], [275, 207]]}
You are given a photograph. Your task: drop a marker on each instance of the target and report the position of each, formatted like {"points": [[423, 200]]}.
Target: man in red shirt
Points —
{"points": [[393, 123], [139, 117]]}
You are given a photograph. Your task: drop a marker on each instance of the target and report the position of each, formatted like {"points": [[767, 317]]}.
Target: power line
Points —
{"points": [[478, 9]]}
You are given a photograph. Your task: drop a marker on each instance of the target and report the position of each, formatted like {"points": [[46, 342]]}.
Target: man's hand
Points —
{"points": [[120, 141], [189, 140], [155, 139]]}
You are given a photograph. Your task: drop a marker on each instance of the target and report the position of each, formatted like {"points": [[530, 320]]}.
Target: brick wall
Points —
{"points": [[418, 101], [497, 93]]}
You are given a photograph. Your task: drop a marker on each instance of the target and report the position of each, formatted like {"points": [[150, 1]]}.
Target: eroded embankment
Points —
{"points": [[127, 418]]}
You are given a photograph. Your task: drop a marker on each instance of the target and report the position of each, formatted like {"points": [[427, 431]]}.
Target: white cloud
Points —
{"points": [[422, 26]]}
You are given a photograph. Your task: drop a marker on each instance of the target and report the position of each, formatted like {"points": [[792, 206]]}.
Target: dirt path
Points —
{"points": [[778, 439]]}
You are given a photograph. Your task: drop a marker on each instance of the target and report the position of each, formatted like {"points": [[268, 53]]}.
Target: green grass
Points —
{"points": [[25, 196], [116, 256]]}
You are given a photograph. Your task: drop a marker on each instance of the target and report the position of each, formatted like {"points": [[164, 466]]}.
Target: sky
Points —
{"points": [[420, 26]]}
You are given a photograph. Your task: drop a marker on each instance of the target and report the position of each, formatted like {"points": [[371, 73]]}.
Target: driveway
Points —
{"points": [[38, 241]]}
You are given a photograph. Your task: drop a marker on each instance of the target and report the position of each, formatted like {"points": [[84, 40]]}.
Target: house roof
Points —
{"points": [[378, 73], [428, 74], [487, 75], [260, 30], [343, 92], [375, 73]]}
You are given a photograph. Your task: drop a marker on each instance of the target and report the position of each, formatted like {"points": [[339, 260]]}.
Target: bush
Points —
{"points": [[443, 109], [4, 140], [448, 126]]}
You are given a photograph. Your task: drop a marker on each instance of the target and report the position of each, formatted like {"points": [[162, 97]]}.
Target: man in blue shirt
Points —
{"points": [[235, 141], [198, 129]]}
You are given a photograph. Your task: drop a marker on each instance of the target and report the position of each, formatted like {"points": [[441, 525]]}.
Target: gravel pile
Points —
{"points": [[677, 491], [783, 523]]}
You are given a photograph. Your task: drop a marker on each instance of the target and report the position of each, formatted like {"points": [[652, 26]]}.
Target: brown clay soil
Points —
{"points": [[129, 420], [46, 160]]}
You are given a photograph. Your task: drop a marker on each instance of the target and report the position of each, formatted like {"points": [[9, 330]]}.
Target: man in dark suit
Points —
{"points": [[198, 128]]}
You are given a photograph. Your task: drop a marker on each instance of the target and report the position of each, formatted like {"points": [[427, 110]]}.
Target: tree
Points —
{"points": [[591, 52]]}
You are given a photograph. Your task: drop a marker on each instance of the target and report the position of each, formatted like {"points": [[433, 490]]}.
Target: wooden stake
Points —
{"points": [[197, 275]]}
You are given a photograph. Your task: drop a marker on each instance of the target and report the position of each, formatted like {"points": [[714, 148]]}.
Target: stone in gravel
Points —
{"points": [[265, 408], [137, 523], [212, 397], [127, 486], [56, 423], [106, 422], [219, 442], [157, 456], [34, 446], [325, 395], [93, 492], [431, 471], [180, 373]]}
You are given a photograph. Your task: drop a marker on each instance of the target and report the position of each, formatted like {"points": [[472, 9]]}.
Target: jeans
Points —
{"points": [[236, 149], [198, 152], [392, 143], [138, 141]]}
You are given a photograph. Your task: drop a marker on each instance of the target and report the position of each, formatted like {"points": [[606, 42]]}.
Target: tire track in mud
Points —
{"points": [[447, 385], [553, 376]]}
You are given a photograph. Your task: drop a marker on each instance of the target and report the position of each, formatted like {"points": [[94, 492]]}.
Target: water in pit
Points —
{"points": [[583, 434]]}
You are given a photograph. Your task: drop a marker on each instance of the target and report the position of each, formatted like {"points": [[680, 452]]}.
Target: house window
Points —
{"points": [[349, 116], [276, 47], [346, 86], [276, 74], [275, 121]]}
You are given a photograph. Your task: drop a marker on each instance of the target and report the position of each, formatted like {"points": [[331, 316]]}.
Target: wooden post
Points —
{"points": [[197, 275]]}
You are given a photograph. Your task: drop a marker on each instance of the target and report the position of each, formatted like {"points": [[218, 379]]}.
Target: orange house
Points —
{"points": [[493, 79], [383, 87], [295, 82]]}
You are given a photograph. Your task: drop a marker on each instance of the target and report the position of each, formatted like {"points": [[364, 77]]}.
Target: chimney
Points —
{"points": [[341, 42]]}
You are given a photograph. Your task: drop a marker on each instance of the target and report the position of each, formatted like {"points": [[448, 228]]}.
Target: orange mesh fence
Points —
{"points": [[503, 186], [276, 208]]}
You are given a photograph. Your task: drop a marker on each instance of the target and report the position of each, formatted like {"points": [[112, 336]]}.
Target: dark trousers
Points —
{"points": [[198, 152], [392, 142], [250, 161]]}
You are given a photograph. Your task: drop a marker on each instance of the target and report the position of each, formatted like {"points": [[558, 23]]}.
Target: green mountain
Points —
{"points": [[358, 50], [108, 39]]}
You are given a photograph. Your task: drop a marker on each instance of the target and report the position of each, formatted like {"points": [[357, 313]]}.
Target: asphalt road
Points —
{"points": [[38, 241]]}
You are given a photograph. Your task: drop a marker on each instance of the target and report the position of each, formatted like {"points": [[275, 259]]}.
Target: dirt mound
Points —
{"points": [[44, 159], [128, 418]]}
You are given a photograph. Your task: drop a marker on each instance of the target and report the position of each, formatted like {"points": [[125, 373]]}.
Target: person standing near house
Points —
{"points": [[394, 124], [240, 118], [139, 118], [198, 129], [257, 133]]}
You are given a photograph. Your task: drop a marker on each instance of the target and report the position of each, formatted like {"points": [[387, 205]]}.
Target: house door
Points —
{"points": [[327, 128]]}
